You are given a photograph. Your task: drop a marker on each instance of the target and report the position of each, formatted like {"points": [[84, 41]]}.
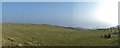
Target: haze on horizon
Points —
{"points": [[79, 14]]}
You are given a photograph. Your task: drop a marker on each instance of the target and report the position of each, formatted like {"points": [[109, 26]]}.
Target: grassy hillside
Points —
{"points": [[48, 35], [0, 34]]}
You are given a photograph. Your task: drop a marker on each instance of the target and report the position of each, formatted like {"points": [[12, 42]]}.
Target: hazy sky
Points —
{"points": [[54, 13]]}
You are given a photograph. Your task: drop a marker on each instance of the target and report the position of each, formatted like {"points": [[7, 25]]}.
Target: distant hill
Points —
{"points": [[81, 28], [75, 28]]}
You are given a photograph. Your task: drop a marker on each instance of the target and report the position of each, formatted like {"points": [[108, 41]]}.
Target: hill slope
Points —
{"points": [[48, 35]]}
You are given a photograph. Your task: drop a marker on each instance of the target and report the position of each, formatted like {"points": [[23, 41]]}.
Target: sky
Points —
{"points": [[79, 14], [43, 13], [50, 0]]}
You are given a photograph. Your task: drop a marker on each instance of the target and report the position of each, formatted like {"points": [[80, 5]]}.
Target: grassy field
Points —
{"points": [[48, 35], [0, 34]]}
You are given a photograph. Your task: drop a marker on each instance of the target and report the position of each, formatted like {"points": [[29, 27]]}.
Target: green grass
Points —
{"points": [[48, 35]]}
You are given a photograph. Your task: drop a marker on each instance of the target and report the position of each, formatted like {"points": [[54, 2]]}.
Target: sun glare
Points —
{"points": [[107, 11]]}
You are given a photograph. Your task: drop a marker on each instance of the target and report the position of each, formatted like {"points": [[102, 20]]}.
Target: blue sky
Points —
{"points": [[48, 13], [50, 0], [54, 13]]}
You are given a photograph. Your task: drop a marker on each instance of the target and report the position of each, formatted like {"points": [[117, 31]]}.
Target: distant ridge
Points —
{"points": [[75, 28]]}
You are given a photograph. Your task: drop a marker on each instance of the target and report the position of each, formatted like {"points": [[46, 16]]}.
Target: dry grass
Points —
{"points": [[47, 35]]}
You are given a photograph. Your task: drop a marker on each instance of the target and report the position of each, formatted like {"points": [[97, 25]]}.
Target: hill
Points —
{"points": [[49, 35]]}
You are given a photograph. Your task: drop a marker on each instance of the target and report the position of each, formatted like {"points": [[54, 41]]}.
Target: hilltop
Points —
{"points": [[49, 35]]}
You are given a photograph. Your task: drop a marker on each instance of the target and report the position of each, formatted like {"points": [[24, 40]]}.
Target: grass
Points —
{"points": [[48, 35]]}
